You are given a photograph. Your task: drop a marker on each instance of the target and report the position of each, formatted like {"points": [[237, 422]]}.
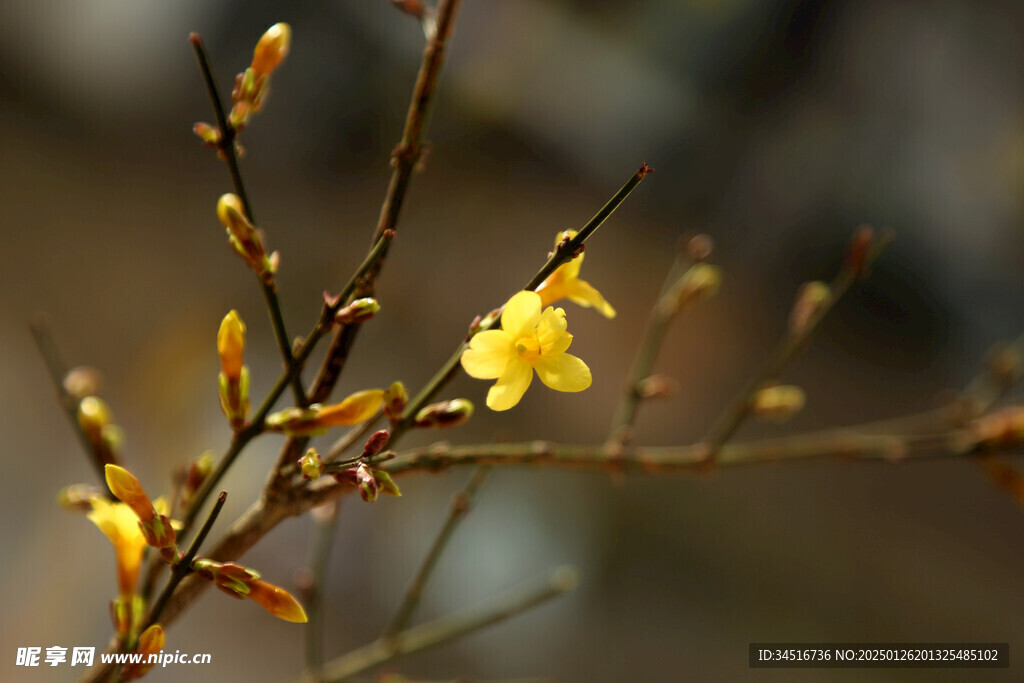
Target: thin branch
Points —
{"points": [[404, 158], [184, 565], [324, 527], [230, 153], [564, 252], [58, 371], [646, 354], [460, 506], [448, 628], [727, 424]]}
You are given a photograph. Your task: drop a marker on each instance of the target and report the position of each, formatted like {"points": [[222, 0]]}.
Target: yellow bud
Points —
{"points": [[151, 642], [277, 601], [810, 300], [271, 49], [778, 403], [230, 345], [445, 414], [311, 464], [230, 210], [127, 489], [93, 416], [395, 399]]}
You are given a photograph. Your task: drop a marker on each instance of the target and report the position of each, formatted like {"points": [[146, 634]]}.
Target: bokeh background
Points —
{"points": [[775, 126]]}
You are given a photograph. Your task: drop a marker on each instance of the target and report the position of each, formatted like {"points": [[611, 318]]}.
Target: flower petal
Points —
{"points": [[581, 292], [488, 354], [551, 332], [507, 391], [563, 372], [355, 408], [521, 314]]}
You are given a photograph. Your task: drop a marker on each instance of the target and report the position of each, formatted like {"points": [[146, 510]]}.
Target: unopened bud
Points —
{"points": [[231, 345], [367, 483], [311, 464], [376, 443], [778, 403], [93, 416], [151, 643], [859, 249], [395, 400], [78, 497], [244, 238], [198, 471], [656, 386], [697, 248], [271, 49], [811, 299], [207, 133], [83, 381], [699, 282], [358, 311], [387, 484], [445, 414]]}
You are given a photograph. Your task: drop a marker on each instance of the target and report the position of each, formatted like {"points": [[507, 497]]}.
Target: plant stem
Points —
{"points": [[58, 371], [561, 254], [184, 566], [727, 424], [230, 154], [448, 628], [458, 509], [320, 551], [646, 354]]}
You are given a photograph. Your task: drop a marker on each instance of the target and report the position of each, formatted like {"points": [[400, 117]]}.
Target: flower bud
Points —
{"points": [[311, 464], [207, 133], [151, 642], [778, 403], [810, 300], [376, 443], [83, 381], [198, 471], [315, 419], [395, 400], [445, 414], [244, 238], [656, 386], [387, 484], [230, 345], [699, 282], [367, 483], [271, 49], [127, 489], [78, 497], [358, 311], [93, 416]]}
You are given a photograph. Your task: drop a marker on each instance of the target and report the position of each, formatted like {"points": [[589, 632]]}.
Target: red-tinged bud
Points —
{"points": [[411, 7], [83, 381], [376, 443], [159, 534], [778, 403], [239, 116], [271, 49], [445, 414], [151, 642], [367, 483], [358, 311], [198, 470], [656, 386], [699, 282], [311, 464], [395, 400], [859, 249], [811, 300], [208, 134]]}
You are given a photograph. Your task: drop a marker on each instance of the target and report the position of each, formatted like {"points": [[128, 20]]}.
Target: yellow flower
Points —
{"points": [[120, 525], [528, 340], [565, 283]]}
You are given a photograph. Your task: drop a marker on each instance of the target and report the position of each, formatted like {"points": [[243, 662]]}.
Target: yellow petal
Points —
{"points": [[127, 489], [277, 601], [564, 372], [356, 408], [507, 391], [581, 292], [521, 314], [488, 354], [551, 334], [119, 524]]}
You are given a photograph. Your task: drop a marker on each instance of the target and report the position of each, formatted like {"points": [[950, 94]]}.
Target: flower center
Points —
{"points": [[528, 348]]}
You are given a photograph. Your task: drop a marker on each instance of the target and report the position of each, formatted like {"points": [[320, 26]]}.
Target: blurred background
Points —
{"points": [[775, 126]]}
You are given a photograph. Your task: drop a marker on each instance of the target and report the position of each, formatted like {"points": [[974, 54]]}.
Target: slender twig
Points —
{"points": [[184, 565], [58, 370], [405, 158], [227, 147], [320, 550], [565, 251], [458, 509], [646, 354], [792, 343], [448, 628]]}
